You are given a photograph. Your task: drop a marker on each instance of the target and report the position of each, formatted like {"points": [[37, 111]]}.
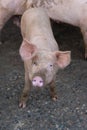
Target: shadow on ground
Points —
{"points": [[41, 113]]}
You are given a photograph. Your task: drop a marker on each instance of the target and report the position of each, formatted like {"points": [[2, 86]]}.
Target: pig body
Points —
{"points": [[40, 52]]}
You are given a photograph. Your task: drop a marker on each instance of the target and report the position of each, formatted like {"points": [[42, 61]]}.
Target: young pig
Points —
{"points": [[40, 53]]}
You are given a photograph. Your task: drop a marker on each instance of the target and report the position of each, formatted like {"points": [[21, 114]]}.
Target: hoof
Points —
{"points": [[22, 105], [55, 98]]}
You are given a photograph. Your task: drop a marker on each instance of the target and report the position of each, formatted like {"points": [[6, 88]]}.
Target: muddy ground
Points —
{"points": [[41, 113]]}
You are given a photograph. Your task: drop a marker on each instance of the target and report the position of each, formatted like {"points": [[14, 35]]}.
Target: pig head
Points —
{"points": [[42, 66]]}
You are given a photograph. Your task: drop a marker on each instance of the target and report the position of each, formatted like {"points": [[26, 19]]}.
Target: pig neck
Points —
{"points": [[44, 43], [37, 29]]}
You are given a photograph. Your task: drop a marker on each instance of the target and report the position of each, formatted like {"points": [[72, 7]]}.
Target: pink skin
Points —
{"points": [[37, 81]]}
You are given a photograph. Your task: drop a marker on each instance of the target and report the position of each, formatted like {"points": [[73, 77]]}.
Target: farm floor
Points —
{"points": [[69, 112]]}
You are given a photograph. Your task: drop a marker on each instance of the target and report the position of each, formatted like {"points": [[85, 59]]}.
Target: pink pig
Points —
{"points": [[69, 11], [40, 53]]}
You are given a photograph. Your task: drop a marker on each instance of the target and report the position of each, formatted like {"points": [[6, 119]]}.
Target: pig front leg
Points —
{"points": [[53, 91], [25, 93]]}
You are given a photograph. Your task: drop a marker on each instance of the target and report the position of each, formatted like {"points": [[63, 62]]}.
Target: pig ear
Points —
{"points": [[27, 50], [63, 58]]}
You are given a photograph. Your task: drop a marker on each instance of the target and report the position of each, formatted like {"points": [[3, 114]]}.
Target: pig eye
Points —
{"points": [[51, 65]]}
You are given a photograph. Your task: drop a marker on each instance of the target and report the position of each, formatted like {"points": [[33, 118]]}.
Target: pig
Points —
{"points": [[40, 53], [73, 12]]}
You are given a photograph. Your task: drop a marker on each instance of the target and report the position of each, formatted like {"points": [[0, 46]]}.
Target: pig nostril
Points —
{"points": [[34, 80], [41, 81]]}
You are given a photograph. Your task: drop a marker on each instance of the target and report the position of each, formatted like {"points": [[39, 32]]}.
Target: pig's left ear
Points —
{"points": [[63, 58]]}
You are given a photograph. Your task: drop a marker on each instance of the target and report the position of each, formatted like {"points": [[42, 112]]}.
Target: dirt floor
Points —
{"points": [[41, 113]]}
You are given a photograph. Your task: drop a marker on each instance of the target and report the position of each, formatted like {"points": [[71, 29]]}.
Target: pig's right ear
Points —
{"points": [[27, 50]]}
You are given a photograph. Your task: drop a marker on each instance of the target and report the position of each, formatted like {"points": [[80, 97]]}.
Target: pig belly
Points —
{"points": [[68, 13]]}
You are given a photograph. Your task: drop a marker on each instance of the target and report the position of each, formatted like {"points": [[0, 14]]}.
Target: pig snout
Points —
{"points": [[37, 81]]}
